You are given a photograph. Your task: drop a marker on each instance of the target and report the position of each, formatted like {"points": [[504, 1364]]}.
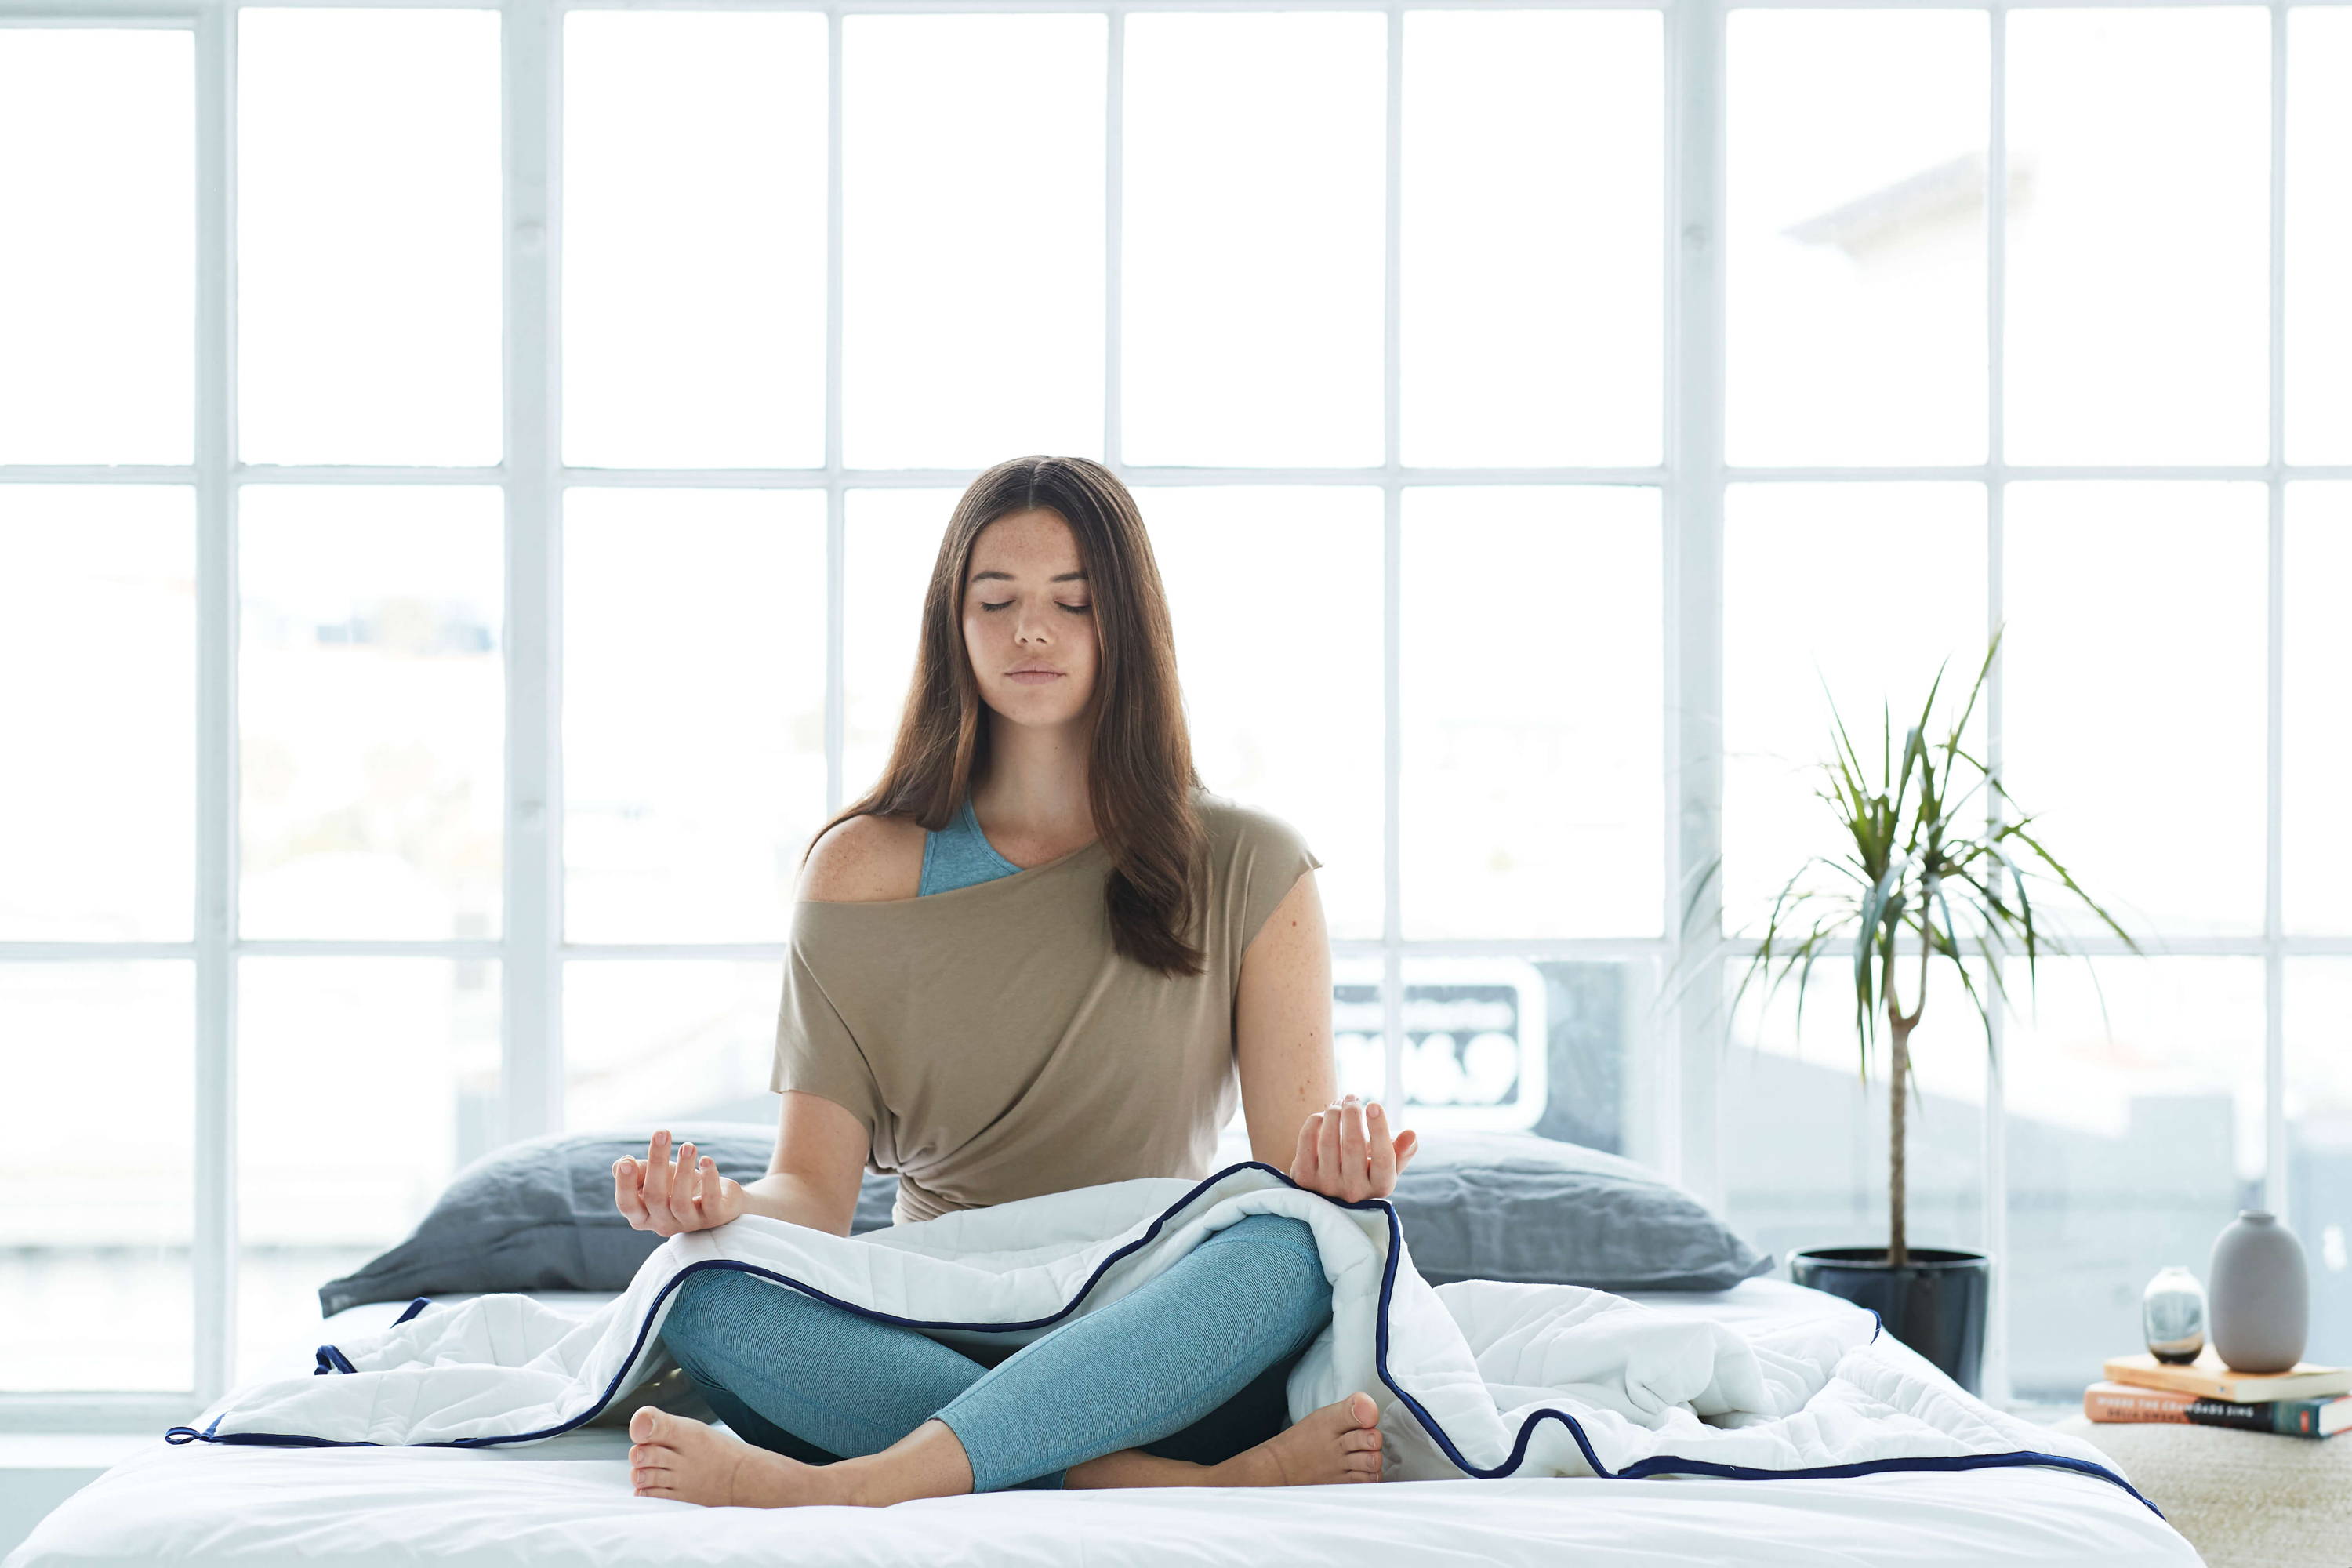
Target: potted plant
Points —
{"points": [[1938, 858]]}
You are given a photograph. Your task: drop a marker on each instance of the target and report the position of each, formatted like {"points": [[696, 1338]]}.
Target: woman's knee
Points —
{"points": [[1280, 1230], [706, 1304], [1284, 1249]]}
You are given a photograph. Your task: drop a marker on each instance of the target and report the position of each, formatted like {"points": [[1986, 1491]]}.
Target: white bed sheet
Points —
{"points": [[566, 1503]]}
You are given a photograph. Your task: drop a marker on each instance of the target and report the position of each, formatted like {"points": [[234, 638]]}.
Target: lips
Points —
{"points": [[1033, 677]]}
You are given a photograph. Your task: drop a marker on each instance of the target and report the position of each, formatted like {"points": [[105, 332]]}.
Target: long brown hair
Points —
{"points": [[1140, 772]]}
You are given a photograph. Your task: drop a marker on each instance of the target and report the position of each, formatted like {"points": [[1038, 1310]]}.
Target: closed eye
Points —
{"points": [[1074, 609]]}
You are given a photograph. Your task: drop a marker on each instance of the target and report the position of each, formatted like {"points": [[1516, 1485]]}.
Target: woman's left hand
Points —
{"points": [[1346, 1151]]}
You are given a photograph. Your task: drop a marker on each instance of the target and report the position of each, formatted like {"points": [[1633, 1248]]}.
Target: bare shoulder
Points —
{"points": [[865, 859]]}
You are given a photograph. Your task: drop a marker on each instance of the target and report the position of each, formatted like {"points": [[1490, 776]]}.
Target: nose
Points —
{"points": [[1030, 631]]}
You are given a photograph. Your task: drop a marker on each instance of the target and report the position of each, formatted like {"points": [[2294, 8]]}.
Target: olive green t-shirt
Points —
{"points": [[995, 1046]]}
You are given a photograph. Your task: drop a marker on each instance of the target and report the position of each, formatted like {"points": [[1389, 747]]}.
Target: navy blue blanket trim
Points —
{"points": [[1664, 1464], [179, 1435], [1656, 1464], [332, 1359]]}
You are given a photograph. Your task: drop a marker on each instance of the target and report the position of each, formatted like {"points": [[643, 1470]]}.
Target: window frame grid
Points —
{"points": [[1671, 1086]]}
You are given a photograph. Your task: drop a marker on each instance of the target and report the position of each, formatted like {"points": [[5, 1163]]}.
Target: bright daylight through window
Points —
{"points": [[482, 621]]}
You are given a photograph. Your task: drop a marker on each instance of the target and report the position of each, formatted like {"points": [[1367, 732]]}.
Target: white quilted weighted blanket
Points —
{"points": [[1479, 1378]]}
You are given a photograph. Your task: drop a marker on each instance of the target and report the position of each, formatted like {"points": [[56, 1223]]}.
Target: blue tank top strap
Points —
{"points": [[960, 855]]}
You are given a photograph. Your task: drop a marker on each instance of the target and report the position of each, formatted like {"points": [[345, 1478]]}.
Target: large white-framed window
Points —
{"points": [[460, 509]]}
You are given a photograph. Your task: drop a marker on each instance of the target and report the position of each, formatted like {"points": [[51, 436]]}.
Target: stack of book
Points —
{"points": [[2306, 1402]]}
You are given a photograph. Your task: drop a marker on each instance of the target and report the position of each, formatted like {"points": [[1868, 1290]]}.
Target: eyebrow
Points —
{"points": [[1064, 577]]}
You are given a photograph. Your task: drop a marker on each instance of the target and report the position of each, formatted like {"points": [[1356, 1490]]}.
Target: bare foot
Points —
{"points": [[689, 1461], [1339, 1442]]}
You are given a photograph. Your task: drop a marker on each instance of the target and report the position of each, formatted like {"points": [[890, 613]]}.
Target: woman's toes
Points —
{"points": [[1362, 1439], [684, 1460], [1365, 1412]]}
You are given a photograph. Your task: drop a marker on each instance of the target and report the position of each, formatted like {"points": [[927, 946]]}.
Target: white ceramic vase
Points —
{"points": [[2260, 1295]]}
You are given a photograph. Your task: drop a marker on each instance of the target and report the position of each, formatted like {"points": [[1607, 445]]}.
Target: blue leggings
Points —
{"points": [[1190, 1366]]}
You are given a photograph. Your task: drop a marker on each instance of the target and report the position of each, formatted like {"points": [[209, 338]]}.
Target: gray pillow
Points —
{"points": [[1503, 1206], [539, 1215]]}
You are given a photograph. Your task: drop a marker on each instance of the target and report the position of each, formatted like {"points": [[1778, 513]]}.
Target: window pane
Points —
{"points": [[693, 710], [1806, 604], [2134, 1135], [972, 238], [1357, 1022], [1856, 276], [1474, 1039], [372, 710], [694, 246], [651, 1042], [2318, 729], [891, 540], [362, 1084], [1546, 1046], [98, 1158], [1805, 1152], [1533, 283], [2134, 688], [1317, 552], [1597, 1092], [2319, 1143], [368, 260], [102, 369], [2139, 260], [1253, 192], [1494, 1042], [1531, 788], [1517, 1046], [98, 821], [2319, 236]]}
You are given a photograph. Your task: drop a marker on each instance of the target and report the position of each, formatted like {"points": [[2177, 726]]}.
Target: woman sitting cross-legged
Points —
{"points": [[1037, 955]]}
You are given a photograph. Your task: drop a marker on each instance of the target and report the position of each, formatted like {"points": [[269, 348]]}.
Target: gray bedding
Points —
{"points": [[539, 1215]]}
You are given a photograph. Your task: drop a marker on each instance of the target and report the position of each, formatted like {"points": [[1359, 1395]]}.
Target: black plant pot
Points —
{"points": [[1935, 1303]]}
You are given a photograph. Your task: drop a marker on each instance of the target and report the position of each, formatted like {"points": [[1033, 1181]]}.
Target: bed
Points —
{"points": [[567, 1501]]}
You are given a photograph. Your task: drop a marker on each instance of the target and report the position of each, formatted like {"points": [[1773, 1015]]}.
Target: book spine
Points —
{"points": [[2138, 1404], [2293, 1417], [2289, 1418], [2230, 1413], [2125, 1404]]}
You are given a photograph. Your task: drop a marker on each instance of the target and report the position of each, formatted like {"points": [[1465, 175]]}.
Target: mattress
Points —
{"points": [[567, 1501]]}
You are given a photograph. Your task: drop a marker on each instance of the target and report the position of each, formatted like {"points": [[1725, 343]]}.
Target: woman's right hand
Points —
{"points": [[668, 1196]]}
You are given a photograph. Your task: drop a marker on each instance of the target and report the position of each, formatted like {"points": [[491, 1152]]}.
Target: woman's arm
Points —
{"points": [[812, 1177], [1282, 1040]]}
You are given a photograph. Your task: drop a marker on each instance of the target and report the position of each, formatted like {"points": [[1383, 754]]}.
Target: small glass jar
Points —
{"points": [[2172, 1316]]}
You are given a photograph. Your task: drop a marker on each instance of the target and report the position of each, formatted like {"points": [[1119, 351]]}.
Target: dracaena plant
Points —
{"points": [[1935, 857]]}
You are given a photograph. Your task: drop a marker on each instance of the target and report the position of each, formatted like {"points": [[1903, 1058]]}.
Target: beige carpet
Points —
{"points": [[2244, 1500]]}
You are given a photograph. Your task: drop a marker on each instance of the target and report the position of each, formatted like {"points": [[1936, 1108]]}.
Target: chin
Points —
{"points": [[1027, 705]]}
